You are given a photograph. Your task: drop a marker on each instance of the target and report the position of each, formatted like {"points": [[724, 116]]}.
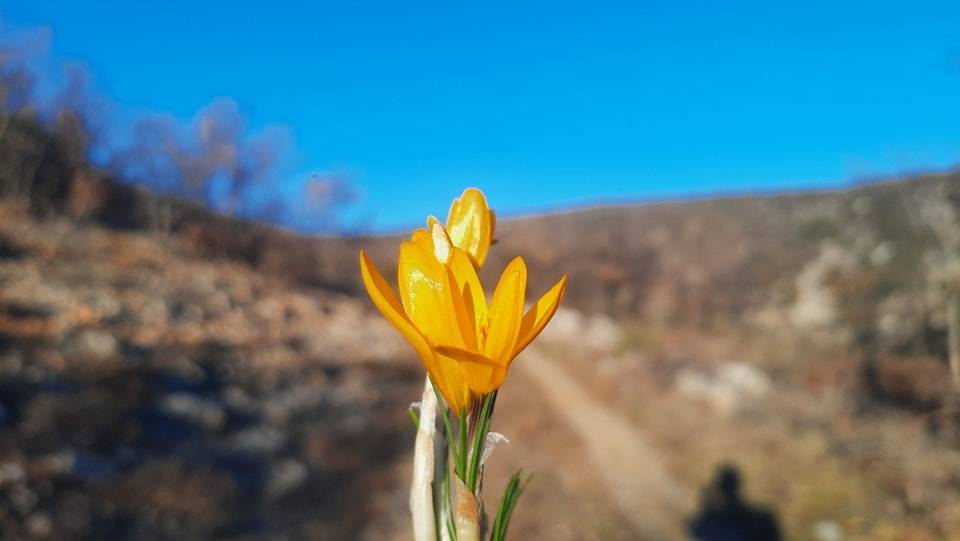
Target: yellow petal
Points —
{"points": [[482, 375], [422, 236], [469, 308], [386, 301], [469, 224], [428, 294], [467, 335], [450, 380], [540, 314], [420, 298], [506, 312], [471, 291], [464, 356], [420, 278]]}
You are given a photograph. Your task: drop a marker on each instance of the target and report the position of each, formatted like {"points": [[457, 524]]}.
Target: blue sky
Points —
{"points": [[545, 104]]}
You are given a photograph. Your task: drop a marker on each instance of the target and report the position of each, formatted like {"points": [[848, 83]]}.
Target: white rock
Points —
{"points": [[726, 387], [570, 327], [815, 305], [285, 476], [827, 530], [198, 410]]}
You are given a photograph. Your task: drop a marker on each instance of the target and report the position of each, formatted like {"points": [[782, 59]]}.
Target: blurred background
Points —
{"points": [[758, 207]]}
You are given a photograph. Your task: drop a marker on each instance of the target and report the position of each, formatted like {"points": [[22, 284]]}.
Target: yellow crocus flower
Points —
{"points": [[442, 311], [491, 337], [472, 225]]}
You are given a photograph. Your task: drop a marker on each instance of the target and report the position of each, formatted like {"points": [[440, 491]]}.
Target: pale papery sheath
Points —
{"points": [[421, 489]]}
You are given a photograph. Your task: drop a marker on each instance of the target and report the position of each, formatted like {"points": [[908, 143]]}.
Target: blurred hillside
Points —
{"points": [[797, 260], [172, 373]]}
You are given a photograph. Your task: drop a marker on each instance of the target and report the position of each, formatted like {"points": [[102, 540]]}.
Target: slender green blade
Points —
{"points": [[414, 417], [511, 494]]}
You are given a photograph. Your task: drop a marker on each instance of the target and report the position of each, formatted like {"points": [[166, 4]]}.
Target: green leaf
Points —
{"points": [[479, 437], [441, 492], [511, 494]]}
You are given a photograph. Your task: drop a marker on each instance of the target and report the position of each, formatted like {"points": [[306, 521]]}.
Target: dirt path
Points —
{"points": [[638, 483]]}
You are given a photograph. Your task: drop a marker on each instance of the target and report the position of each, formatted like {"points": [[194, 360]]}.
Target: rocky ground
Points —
{"points": [[149, 394]]}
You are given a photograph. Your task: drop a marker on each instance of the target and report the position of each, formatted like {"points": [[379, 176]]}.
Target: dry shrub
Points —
{"points": [[918, 384]]}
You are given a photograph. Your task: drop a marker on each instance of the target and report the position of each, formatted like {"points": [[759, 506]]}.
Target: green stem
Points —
{"points": [[462, 455], [479, 438], [445, 412]]}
